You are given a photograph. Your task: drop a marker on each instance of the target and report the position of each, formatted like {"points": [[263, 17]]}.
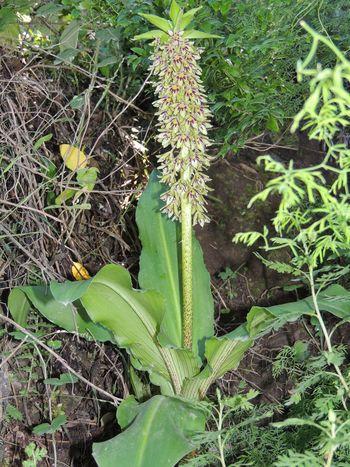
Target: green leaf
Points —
{"points": [[9, 28], [47, 428], [134, 318], [127, 411], [258, 320], [71, 317], [7, 17], [68, 291], [108, 34], [42, 140], [161, 23], [65, 378], [111, 60], [335, 299], [42, 429], [49, 9], [192, 34], [12, 413], [296, 422], [159, 261], [222, 354], [66, 195], [154, 34], [160, 267], [77, 102], [139, 51], [334, 358], [69, 36], [174, 11], [241, 401], [188, 17], [160, 435], [34, 454], [272, 124], [67, 55], [87, 177], [141, 389], [58, 421], [301, 351], [54, 344], [19, 306], [132, 315]]}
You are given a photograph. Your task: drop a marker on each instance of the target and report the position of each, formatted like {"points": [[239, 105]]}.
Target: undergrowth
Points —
{"points": [[253, 62], [312, 223], [312, 426]]}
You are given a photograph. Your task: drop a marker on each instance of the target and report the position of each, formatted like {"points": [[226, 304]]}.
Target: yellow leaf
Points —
{"points": [[79, 272], [73, 158]]}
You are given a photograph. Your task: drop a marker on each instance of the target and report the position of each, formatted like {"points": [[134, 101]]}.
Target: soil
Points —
{"points": [[234, 183], [235, 180]]}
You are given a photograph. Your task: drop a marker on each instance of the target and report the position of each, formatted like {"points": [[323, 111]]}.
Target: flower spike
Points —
{"points": [[182, 111]]}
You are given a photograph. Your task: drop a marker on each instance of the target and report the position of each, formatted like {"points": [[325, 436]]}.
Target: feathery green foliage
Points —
{"points": [[313, 223]]}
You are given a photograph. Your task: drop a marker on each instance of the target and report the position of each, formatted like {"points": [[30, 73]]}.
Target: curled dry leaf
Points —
{"points": [[79, 272], [73, 158]]}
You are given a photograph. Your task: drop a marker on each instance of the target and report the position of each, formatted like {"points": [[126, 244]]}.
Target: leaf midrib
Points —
{"points": [[149, 420], [166, 356]]}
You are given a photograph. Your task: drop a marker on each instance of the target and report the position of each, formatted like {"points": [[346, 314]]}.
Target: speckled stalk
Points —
{"points": [[187, 292]]}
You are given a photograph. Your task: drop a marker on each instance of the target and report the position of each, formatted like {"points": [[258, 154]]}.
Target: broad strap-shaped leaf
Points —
{"points": [[68, 291], [128, 411], [159, 263], [160, 434], [335, 300], [19, 306], [68, 315], [160, 269], [134, 318], [225, 353]]}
